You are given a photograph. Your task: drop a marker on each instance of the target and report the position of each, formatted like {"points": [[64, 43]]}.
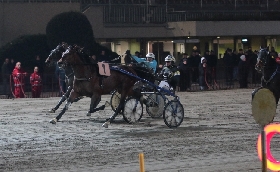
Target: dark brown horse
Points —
{"points": [[52, 59], [270, 72], [89, 83]]}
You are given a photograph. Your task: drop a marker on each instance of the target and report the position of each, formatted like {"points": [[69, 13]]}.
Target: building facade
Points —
{"points": [[159, 26]]}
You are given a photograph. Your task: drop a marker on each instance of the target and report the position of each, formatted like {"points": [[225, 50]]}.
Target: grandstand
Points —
{"points": [[169, 26]]}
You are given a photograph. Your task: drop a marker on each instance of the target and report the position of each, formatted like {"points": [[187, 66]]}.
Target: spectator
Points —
{"points": [[103, 57], [140, 55], [6, 72], [243, 72], [255, 74], [127, 58], [236, 59], [12, 65], [228, 64], [212, 64], [185, 56], [36, 83], [185, 74], [203, 74], [136, 54], [39, 64], [60, 75], [18, 77], [193, 66]]}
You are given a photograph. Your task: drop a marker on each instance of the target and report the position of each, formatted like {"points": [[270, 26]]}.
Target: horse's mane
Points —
{"points": [[85, 58]]}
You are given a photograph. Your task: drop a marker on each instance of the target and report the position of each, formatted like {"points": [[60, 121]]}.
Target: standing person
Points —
{"points": [[185, 74], [39, 64], [192, 65], [127, 58], [12, 65], [36, 83], [236, 59], [228, 64], [203, 73], [103, 57], [18, 77], [212, 65], [137, 54], [243, 72], [6, 72], [60, 75]]}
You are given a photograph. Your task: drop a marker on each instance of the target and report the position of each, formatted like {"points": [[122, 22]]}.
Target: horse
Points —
{"points": [[53, 57], [270, 70], [88, 82]]}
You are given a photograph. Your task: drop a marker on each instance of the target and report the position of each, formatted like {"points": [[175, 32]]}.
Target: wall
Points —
{"points": [[28, 18]]}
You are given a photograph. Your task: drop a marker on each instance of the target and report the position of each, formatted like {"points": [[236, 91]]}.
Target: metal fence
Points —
{"points": [[51, 87]]}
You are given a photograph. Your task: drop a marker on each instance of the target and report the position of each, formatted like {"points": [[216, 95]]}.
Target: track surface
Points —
{"points": [[218, 134]]}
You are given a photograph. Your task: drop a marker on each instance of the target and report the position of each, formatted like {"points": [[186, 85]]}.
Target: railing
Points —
{"points": [[146, 15], [51, 87]]}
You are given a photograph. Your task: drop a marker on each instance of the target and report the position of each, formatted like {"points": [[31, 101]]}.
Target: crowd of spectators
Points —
{"points": [[195, 69]]}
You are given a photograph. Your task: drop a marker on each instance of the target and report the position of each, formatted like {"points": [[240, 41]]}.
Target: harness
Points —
{"points": [[272, 76], [144, 80]]}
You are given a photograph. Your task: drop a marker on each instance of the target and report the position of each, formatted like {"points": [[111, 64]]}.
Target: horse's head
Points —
{"points": [[56, 54], [263, 59], [70, 56]]}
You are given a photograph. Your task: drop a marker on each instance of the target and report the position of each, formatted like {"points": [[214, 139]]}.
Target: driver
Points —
{"points": [[171, 71], [150, 61]]}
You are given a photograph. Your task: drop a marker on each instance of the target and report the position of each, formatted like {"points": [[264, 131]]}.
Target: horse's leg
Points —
{"points": [[119, 108], [70, 100], [95, 99], [94, 109], [63, 98]]}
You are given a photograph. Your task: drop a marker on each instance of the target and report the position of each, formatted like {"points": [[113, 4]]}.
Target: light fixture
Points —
{"points": [[218, 37]]}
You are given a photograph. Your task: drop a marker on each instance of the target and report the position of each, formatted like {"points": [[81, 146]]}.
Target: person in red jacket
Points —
{"points": [[18, 77], [277, 59], [35, 81]]}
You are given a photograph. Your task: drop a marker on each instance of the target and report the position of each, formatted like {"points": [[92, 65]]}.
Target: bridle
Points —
{"points": [[263, 56]]}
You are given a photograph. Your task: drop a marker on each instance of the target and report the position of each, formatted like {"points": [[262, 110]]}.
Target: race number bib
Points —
{"points": [[104, 69]]}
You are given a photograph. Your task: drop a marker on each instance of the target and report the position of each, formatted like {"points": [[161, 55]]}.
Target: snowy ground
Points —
{"points": [[218, 134]]}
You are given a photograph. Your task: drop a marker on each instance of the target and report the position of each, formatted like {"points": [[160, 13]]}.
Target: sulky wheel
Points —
{"points": [[173, 114], [154, 105], [133, 110], [115, 100]]}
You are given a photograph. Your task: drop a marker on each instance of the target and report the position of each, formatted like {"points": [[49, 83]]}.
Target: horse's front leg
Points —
{"points": [[63, 98], [70, 100]]}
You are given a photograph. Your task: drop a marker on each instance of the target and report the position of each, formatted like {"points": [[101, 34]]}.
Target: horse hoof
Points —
{"points": [[53, 121], [105, 125], [88, 114], [51, 111]]}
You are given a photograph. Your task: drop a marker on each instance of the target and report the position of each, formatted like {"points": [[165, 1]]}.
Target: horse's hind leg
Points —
{"points": [[95, 99], [63, 98], [94, 104], [118, 110], [70, 100]]}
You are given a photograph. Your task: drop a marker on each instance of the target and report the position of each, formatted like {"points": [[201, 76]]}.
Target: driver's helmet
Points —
{"points": [[169, 58], [150, 55]]}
